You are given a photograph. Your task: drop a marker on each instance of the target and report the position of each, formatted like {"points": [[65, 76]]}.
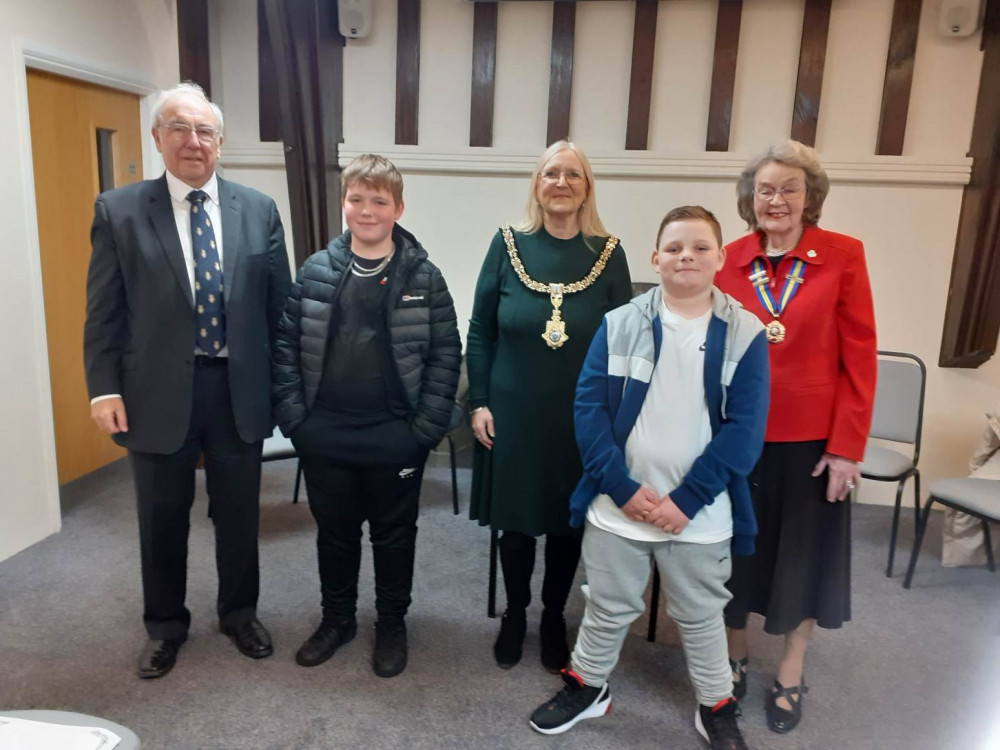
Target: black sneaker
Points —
{"points": [[389, 657], [717, 725], [573, 703], [321, 645], [510, 641]]}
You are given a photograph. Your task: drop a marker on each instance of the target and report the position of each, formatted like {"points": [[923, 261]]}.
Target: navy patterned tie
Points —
{"points": [[211, 319]]}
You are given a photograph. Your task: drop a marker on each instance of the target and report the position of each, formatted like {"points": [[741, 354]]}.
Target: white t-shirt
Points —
{"points": [[671, 431]]}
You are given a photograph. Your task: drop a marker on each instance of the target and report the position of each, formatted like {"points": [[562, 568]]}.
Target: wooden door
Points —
{"points": [[84, 139]]}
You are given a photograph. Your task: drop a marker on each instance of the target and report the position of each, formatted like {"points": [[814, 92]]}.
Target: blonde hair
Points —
{"points": [[374, 172], [590, 222], [792, 154]]}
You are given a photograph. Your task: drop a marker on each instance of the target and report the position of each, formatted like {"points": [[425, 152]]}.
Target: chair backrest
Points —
{"points": [[638, 287], [460, 411], [899, 399]]}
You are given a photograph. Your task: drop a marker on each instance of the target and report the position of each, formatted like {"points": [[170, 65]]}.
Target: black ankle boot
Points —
{"points": [[507, 649], [555, 652], [389, 657], [332, 633]]}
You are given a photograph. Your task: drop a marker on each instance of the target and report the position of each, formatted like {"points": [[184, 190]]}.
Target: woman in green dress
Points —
{"points": [[542, 292]]}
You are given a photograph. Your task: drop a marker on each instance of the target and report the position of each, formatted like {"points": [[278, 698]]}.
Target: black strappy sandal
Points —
{"points": [[778, 719], [739, 668]]}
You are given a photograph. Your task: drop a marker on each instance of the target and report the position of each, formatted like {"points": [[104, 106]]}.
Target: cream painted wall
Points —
{"points": [[456, 195], [131, 45]]}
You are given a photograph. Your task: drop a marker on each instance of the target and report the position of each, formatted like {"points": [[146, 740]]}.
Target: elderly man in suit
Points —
{"points": [[188, 277]]}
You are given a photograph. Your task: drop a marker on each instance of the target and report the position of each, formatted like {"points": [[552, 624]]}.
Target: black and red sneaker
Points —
{"points": [[575, 702], [717, 725]]}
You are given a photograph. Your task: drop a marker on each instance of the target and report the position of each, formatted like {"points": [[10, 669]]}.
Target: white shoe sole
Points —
{"points": [[699, 726], [595, 710]]}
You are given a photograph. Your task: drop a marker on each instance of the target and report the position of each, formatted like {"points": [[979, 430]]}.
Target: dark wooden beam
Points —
{"points": [[972, 312], [898, 77], [561, 69], [268, 105], [720, 102], [308, 64], [407, 70], [812, 58], [192, 42], [484, 63], [641, 83]]}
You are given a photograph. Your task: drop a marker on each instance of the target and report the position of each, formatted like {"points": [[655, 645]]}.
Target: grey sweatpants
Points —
{"points": [[693, 577]]}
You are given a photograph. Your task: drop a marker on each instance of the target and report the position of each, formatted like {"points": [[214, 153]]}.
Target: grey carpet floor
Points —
{"points": [[915, 669]]}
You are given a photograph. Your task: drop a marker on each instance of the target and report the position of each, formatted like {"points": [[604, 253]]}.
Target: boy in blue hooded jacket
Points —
{"points": [[669, 416]]}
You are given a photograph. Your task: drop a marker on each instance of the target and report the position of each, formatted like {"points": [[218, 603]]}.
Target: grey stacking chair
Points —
{"points": [[459, 423], [277, 448], [458, 420], [898, 417], [977, 497]]}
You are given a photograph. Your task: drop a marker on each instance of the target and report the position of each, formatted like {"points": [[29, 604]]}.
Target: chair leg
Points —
{"points": [[921, 528], [491, 596], [654, 605], [454, 476], [298, 480], [895, 528], [916, 499], [989, 546]]}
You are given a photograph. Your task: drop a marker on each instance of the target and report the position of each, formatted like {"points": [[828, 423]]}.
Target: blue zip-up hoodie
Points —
{"points": [[613, 385]]}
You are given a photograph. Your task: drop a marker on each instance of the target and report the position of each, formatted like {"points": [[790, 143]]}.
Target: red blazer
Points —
{"points": [[823, 373]]}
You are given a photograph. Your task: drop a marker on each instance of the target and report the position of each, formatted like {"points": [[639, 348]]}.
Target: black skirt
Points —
{"points": [[802, 565]]}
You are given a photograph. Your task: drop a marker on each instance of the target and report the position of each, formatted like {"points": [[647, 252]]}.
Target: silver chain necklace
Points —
{"points": [[369, 272]]}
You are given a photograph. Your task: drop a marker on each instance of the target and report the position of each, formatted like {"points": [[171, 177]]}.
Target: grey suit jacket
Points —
{"points": [[140, 329]]}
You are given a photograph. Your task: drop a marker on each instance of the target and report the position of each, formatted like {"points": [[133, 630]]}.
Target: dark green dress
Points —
{"points": [[524, 483]]}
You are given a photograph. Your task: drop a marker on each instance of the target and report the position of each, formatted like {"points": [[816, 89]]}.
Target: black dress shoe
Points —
{"points": [[331, 635], [739, 668], [779, 719], [250, 637], [158, 657]]}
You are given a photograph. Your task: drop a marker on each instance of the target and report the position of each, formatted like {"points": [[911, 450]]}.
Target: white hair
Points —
{"points": [[185, 89]]}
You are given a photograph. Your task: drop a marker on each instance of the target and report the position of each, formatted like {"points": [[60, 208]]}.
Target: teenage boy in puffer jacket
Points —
{"points": [[366, 365]]}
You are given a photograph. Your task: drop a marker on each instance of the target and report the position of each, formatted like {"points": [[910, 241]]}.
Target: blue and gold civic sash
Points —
{"points": [[775, 330]]}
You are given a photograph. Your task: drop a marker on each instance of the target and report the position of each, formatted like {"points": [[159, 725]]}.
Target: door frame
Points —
{"points": [[38, 57]]}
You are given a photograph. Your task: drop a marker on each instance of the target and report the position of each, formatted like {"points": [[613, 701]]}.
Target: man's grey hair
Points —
{"points": [[185, 89]]}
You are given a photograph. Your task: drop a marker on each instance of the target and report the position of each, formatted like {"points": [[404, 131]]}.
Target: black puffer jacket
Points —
{"points": [[422, 329]]}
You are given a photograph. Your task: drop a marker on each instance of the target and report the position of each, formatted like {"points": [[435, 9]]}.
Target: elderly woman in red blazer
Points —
{"points": [[810, 289]]}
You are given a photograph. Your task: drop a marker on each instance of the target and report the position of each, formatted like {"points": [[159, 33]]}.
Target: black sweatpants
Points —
{"points": [[341, 498]]}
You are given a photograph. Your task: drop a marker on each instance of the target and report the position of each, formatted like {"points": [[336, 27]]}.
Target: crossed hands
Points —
{"points": [[645, 506]]}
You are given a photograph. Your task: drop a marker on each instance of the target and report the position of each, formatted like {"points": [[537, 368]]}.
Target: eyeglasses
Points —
{"points": [[552, 176], [181, 131], [766, 192]]}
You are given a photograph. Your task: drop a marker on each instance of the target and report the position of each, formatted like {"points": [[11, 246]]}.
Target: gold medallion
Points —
{"points": [[775, 331], [555, 327]]}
